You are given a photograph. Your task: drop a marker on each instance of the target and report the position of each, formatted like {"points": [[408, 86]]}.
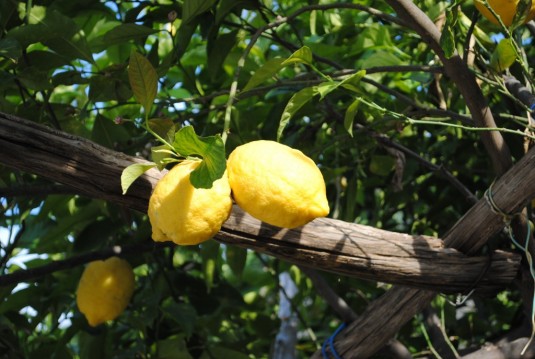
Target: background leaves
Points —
{"points": [[110, 71]]}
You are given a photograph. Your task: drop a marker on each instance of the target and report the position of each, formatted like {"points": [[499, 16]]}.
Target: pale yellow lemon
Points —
{"points": [[105, 289], [506, 9], [277, 184], [186, 215]]}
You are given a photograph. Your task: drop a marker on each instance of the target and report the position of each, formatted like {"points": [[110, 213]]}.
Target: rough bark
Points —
{"points": [[369, 333], [397, 306], [327, 244]]}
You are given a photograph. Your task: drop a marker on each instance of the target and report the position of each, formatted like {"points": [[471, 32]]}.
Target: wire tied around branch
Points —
{"points": [[330, 341], [507, 218]]}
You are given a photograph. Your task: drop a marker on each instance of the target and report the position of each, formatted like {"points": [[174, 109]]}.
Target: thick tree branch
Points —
{"points": [[463, 77], [399, 304], [327, 244], [393, 349]]}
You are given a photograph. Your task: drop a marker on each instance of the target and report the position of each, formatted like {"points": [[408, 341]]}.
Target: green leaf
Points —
{"points": [[162, 155], [183, 314], [218, 49], [107, 133], [212, 151], [127, 32], [327, 87], [523, 8], [350, 116], [303, 55], [503, 56], [94, 345], [60, 33], [163, 127], [132, 172], [173, 347], [447, 38], [267, 71], [236, 258], [227, 353], [11, 49], [192, 8], [210, 256], [382, 165], [68, 78], [352, 82], [143, 80], [224, 7], [297, 101]]}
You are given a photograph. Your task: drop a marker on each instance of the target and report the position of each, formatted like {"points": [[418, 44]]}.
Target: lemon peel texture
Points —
{"points": [[105, 289], [186, 215], [277, 184], [506, 9]]}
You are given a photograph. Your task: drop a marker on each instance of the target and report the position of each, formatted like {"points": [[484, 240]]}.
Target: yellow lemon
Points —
{"points": [[105, 289], [277, 184], [184, 214], [506, 9]]}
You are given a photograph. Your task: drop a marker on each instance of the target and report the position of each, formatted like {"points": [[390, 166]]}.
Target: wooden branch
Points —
{"points": [[336, 246], [383, 318], [463, 77], [369, 253]]}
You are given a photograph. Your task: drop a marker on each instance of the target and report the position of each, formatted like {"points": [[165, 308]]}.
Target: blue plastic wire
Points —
{"points": [[330, 341]]}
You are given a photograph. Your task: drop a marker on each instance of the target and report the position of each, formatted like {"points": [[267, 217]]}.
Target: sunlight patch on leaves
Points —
{"points": [[303, 55], [298, 100], [132, 172]]}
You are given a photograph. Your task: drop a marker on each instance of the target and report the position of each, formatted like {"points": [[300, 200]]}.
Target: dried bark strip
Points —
{"points": [[327, 244]]}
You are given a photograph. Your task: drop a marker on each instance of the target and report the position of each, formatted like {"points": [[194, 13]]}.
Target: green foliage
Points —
{"points": [[153, 79]]}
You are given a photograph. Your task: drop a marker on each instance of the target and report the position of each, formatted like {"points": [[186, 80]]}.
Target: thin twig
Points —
{"points": [[26, 275]]}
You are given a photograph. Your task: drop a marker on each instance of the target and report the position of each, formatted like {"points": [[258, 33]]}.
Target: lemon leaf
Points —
{"points": [[210, 257], [447, 38], [350, 116], [523, 8], [267, 71], [503, 56], [352, 82], [302, 55], [162, 155], [132, 172], [212, 151], [163, 127], [143, 80], [298, 100], [382, 165], [236, 258]]}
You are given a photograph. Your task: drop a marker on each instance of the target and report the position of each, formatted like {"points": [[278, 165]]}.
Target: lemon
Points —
{"points": [[105, 289], [184, 214], [506, 9], [277, 184]]}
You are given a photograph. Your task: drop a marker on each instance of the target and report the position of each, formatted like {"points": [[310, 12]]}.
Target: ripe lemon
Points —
{"points": [[506, 9], [184, 214], [277, 184], [105, 289]]}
